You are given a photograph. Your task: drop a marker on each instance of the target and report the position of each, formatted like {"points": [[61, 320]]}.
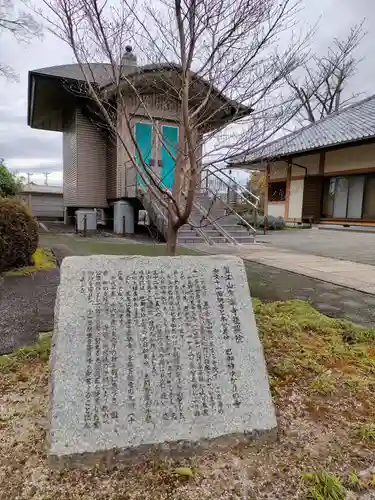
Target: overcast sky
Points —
{"points": [[38, 151]]}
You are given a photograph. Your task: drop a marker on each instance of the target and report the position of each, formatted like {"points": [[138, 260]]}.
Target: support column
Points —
{"points": [[287, 191], [266, 181], [123, 209], [322, 163]]}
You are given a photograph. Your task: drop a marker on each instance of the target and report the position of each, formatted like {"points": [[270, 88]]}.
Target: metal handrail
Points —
{"points": [[247, 200], [229, 186], [202, 210], [251, 228], [159, 210], [218, 227], [153, 205], [197, 229], [243, 188]]}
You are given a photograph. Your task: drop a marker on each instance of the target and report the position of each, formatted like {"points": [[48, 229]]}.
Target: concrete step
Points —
{"points": [[215, 239], [195, 240], [238, 234], [219, 239], [244, 239], [187, 230], [212, 215], [235, 227], [190, 234], [190, 241], [231, 222], [210, 230]]}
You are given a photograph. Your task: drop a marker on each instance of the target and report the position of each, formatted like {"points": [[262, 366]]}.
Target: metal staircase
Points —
{"points": [[215, 216]]}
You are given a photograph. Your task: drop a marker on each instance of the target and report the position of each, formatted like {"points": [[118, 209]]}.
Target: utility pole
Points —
{"points": [[46, 174], [29, 177]]}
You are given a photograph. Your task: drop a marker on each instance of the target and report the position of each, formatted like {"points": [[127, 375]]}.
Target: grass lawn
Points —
{"points": [[322, 376], [43, 261], [91, 246]]}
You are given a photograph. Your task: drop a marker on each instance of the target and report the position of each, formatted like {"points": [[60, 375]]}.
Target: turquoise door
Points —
{"points": [[168, 154], [143, 136]]}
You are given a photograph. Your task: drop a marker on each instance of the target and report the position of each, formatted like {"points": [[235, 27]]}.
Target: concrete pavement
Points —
{"points": [[349, 274], [343, 245]]}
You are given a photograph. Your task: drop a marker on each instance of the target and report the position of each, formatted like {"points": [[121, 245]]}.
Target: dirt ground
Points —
{"points": [[322, 377]]}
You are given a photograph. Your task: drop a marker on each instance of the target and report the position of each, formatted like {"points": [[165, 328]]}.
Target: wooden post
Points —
{"points": [[85, 225], [287, 191], [123, 226], [266, 181]]}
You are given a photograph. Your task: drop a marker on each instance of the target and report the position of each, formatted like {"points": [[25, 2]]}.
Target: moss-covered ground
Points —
{"points": [[322, 376], [43, 260]]}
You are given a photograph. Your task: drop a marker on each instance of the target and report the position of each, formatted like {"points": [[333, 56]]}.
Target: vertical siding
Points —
{"points": [[126, 173], [70, 161], [312, 197], [92, 163], [47, 205], [111, 166]]}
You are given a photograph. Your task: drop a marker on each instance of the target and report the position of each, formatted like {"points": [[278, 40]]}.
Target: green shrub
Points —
{"points": [[10, 184], [18, 235]]}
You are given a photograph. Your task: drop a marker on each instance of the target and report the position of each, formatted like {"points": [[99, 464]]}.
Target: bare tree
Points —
{"points": [[319, 89], [18, 23], [199, 51]]}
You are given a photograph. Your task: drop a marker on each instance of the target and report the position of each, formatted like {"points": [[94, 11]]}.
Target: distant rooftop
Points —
{"points": [[37, 188], [348, 125]]}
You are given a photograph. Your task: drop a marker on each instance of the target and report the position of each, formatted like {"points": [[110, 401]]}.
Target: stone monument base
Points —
{"points": [[154, 356], [173, 450]]}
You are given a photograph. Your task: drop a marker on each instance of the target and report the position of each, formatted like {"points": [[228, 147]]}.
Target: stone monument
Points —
{"points": [[153, 354]]}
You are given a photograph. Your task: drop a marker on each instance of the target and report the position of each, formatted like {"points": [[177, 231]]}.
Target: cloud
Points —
{"points": [[23, 148], [37, 151], [30, 149]]}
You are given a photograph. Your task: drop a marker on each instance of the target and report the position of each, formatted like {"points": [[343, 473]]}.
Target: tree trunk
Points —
{"points": [[171, 238]]}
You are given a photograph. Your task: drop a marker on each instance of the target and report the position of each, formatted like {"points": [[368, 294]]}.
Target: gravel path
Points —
{"points": [[27, 305], [26, 308]]}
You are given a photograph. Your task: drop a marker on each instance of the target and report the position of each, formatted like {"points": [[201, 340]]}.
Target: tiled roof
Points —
{"points": [[351, 124], [102, 73]]}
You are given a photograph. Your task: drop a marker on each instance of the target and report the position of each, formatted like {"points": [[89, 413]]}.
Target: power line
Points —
{"points": [[46, 174]]}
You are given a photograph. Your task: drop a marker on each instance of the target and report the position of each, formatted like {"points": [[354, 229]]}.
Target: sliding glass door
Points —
{"points": [[344, 197], [355, 196], [341, 198]]}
